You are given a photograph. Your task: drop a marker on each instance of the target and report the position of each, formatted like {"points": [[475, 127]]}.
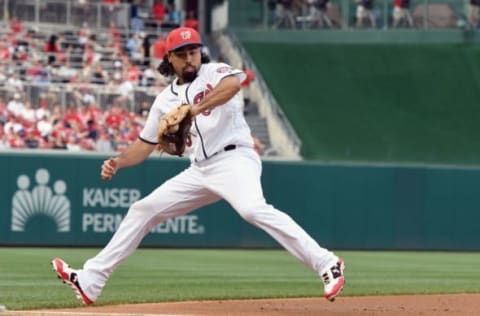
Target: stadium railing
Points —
{"points": [[75, 13], [426, 14], [66, 94]]}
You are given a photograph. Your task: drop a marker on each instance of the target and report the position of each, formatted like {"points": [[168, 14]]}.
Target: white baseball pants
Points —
{"points": [[233, 175]]}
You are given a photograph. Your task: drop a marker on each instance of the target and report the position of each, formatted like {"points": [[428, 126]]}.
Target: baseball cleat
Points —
{"points": [[333, 280], [69, 276]]}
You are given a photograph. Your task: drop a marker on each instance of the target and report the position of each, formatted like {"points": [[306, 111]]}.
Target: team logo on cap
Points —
{"points": [[224, 69], [186, 35]]}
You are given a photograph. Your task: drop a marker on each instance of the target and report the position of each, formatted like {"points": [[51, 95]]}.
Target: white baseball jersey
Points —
{"points": [[233, 175], [212, 130]]}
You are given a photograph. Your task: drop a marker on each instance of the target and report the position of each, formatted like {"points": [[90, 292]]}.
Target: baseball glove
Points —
{"points": [[174, 130]]}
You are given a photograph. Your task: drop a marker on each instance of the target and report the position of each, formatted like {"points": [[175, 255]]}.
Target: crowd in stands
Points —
{"points": [[82, 63], [293, 14], [315, 13], [84, 127]]}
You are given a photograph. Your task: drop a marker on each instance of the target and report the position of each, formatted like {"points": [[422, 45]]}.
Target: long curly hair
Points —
{"points": [[166, 68]]}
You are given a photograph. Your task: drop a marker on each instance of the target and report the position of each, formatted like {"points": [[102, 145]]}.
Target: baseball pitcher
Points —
{"points": [[200, 115]]}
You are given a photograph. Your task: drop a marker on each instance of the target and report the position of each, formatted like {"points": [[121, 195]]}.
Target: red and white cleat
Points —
{"points": [[69, 276], [333, 280]]}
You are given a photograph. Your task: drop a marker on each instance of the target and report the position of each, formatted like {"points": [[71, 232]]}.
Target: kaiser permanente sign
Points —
{"points": [[59, 199], [54, 199], [122, 198]]}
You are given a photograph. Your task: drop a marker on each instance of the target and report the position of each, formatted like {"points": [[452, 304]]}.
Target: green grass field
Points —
{"points": [[153, 275]]}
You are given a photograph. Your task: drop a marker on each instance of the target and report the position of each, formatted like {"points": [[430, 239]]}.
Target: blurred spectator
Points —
{"points": [[119, 141], [284, 14], [37, 72], [15, 140], [158, 86], [90, 55], [82, 77], [132, 72], [3, 73], [245, 84], [16, 25], [114, 117], [83, 33], [365, 11], [136, 23], [65, 73], [28, 36], [158, 50], [14, 83], [272, 6], [111, 4], [73, 143], [142, 112], [401, 13], [71, 116], [14, 126], [44, 127], [57, 115], [99, 75], [95, 113], [124, 88], [4, 144], [43, 108], [59, 142], [115, 33], [149, 76], [84, 115], [318, 13], [3, 111], [15, 106], [5, 52], [117, 70], [83, 93], [28, 113], [158, 11], [191, 21], [131, 131], [34, 69], [174, 16], [92, 130], [20, 53], [41, 77], [146, 51], [31, 140], [134, 46], [205, 50], [258, 145], [474, 13], [52, 48], [104, 144]]}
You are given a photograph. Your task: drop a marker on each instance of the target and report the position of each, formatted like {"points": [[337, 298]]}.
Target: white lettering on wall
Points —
{"points": [[179, 225], [100, 222], [109, 223], [96, 197]]}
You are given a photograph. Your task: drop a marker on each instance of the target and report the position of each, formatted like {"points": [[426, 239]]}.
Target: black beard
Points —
{"points": [[189, 76]]}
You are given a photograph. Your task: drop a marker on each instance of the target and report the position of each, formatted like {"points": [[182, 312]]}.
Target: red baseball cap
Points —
{"points": [[182, 36]]}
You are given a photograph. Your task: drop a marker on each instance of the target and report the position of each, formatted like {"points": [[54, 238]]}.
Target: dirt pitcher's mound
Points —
{"points": [[401, 305]]}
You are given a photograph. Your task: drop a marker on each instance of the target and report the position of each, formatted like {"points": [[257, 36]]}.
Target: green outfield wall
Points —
{"points": [[377, 102], [59, 200]]}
